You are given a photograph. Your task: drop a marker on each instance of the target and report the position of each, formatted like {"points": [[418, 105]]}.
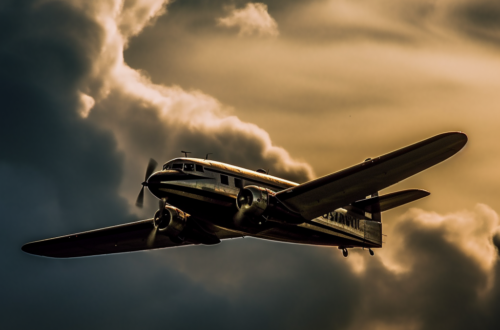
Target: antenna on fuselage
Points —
{"points": [[186, 153], [206, 157]]}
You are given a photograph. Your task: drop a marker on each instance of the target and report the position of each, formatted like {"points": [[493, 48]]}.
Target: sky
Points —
{"points": [[90, 90]]}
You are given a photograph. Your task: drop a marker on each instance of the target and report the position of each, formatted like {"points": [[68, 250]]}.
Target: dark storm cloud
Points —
{"points": [[442, 291], [46, 53]]}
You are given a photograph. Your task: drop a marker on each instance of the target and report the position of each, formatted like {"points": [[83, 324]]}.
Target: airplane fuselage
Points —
{"points": [[207, 190]]}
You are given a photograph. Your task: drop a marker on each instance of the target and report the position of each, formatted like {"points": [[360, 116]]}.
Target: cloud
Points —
{"points": [[473, 233], [253, 19], [480, 20], [190, 119], [86, 104]]}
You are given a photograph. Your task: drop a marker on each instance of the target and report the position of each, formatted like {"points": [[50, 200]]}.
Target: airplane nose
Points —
{"points": [[162, 178], [154, 178]]}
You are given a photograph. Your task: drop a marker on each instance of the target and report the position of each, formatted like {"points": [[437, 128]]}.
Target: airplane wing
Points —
{"points": [[118, 239], [339, 189]]}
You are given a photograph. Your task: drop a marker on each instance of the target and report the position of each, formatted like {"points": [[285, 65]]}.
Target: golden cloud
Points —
{"points": [[253, 19]]}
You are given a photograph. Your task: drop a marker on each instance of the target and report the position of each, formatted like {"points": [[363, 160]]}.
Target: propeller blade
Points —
{"points": [[140, 199], [151, 238], [161, 206], [151, 168]]}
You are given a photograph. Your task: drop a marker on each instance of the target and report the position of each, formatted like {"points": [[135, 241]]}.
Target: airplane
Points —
{"points": [[203, 201]]}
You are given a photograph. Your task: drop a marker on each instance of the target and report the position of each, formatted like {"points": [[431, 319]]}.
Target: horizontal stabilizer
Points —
{"points": [[317, 197], [389, 201]]}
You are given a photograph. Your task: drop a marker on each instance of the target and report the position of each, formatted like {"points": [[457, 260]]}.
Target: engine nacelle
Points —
{"points": [[253, 201], [172, 223], [257, 204]]}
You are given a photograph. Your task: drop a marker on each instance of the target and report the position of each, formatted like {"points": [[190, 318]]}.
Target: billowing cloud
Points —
{"points": [[253, 19], [471, 232], [189, 120]]}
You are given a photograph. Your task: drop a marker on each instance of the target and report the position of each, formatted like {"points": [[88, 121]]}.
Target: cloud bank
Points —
{"points": [[175, 118]]}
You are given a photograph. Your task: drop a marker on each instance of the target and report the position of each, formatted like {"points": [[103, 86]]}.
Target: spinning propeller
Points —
{"points": [[156, 222], [161, 209], [151, 168]]}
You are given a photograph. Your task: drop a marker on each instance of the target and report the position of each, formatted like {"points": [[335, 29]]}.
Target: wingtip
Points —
{"points": [[463, 136], [36, 249], [423, 192], [29, 248], [460, 136], [462, 140], [457, 139]]}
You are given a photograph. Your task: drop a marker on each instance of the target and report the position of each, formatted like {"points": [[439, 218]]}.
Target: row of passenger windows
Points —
{"points": [[224, 179], [190, 167]]}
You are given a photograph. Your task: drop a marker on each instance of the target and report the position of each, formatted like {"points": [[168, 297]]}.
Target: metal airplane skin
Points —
{"points": [[203, 202]]}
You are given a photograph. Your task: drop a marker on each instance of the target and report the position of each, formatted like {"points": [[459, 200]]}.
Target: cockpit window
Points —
{"points": [[177, 166], [166, 166], [189, 167], [199, 168]]}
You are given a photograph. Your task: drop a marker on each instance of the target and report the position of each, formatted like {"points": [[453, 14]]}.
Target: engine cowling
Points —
{"points": [[253, 200], [171, 222], [257, 204]]}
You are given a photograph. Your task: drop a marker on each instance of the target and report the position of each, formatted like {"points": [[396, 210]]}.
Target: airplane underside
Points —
{"points": [[219, 210]]}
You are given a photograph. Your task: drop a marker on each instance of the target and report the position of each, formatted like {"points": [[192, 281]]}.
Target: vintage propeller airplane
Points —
{"points": [[215, 201]]}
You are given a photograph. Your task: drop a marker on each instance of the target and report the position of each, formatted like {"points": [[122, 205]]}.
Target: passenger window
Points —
{"points": [[199, 168], [224, 179], [189, 167], [238, 183], [177, 166]]}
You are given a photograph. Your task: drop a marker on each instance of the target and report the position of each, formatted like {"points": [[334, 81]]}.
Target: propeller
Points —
{"points": [[150, 169], [152, 236], [161, 207]]}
